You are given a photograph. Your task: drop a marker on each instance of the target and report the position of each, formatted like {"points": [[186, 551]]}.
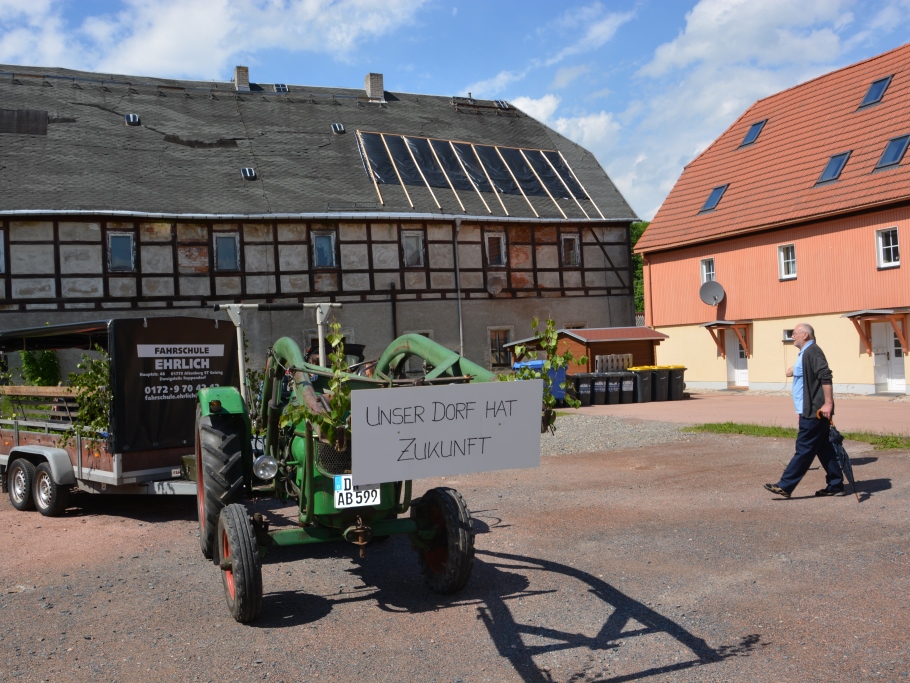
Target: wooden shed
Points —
{"points": [[639, 341]]}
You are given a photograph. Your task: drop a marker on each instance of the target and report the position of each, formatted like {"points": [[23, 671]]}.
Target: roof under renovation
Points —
{"points": [[87, 142], [828, 147]]}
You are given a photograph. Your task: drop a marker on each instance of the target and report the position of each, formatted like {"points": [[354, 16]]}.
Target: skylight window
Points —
{"points": [[894, 152], [338, 128], [714, 198], [131, 119], [502, 104], [876, 91], [753, 132], [281, 87], [833, 168], [248, 173]]}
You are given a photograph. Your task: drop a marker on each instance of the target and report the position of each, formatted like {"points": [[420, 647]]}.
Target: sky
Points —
{"points": [[645, 85]]}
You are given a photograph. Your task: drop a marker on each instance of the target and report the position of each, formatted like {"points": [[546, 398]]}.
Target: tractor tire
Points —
{"points": [[447, 563], [241, 566], [219, 472], [51, 499], [20, 476]]}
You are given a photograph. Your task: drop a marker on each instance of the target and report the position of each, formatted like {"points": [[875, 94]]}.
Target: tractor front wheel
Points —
{"points": [[241, 566], [219, 471], [448, 558]]}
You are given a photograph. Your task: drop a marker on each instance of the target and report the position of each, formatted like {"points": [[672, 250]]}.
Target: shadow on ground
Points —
{"points": [[391, 577]]}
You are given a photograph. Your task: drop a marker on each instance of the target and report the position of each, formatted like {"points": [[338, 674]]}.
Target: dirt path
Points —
{"points": [[656, 564]]}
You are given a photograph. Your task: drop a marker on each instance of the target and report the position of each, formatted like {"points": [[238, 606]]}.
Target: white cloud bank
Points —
{"points": [[191, 38]]}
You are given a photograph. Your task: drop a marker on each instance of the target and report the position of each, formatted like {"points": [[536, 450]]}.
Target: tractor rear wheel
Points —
{"points": [[219, 471], [447, 562], [241, 566], [21, 475], [51, 498]]}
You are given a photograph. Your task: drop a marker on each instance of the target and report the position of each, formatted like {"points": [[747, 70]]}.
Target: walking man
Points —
{"points": [[813, 391]]}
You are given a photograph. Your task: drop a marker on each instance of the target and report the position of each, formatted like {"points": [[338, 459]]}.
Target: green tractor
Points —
{"points": [[298, 463]]}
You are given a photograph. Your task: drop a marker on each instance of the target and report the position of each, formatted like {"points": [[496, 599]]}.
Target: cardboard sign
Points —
{"points": [[420, 432]]}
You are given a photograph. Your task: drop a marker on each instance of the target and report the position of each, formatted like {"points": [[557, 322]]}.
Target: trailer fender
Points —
{"points": [[57, 458], [231, 402]]}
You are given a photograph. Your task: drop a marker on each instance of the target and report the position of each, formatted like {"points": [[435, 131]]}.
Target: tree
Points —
{"points": [[636, 230]]}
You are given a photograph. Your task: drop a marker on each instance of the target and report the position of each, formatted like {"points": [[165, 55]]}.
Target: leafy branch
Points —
{"points": [[92, 389], [334, 424], [547, 340]]}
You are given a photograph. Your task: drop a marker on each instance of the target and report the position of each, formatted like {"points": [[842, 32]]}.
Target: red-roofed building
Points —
{"points": [[798, 211]]}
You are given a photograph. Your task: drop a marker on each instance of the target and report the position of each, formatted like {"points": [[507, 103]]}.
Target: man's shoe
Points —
{"points": [[830, 492], [774, 488]]}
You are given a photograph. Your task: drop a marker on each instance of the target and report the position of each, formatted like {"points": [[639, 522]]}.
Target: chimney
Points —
{"points": [[242, 78], [374, 87]]}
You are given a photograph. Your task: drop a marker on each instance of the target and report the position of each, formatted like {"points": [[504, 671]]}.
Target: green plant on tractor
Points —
{"points": [[92, 390], [547, 340], [254, 379], [334, 425]]}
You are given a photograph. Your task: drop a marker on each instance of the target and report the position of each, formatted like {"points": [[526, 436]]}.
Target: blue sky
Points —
{"points": [[645, 85]]}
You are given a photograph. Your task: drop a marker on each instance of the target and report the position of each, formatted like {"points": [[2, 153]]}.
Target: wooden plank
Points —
{"points": [[52, 392]]}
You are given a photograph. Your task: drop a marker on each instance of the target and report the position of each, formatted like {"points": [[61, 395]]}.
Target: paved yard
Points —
{"points": [[665, 561]]}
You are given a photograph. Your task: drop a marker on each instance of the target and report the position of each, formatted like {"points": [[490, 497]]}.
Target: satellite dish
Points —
{"points": [[495, 285], [711, 293]]}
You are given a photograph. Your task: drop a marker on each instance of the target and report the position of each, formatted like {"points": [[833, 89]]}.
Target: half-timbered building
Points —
{"points": [[453, 217]]}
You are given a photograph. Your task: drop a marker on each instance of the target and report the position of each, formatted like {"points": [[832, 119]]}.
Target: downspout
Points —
{"points": [[458, 288], [394, 312]]}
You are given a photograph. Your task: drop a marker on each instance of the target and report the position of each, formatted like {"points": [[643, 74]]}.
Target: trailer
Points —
{"points": [[157, 367]]}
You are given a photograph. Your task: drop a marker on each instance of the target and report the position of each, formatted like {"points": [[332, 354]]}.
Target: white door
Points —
{"points": [[737, 363], [888, 358]]}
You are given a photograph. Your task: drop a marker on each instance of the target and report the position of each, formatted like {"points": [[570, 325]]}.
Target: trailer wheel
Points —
{"points": [[241, 566], [20, 477], [51, 498], [219, 471], [447, 563]]}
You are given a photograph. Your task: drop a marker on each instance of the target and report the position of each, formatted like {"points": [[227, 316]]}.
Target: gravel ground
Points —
{"points": [[589, 433], [661, 559]]}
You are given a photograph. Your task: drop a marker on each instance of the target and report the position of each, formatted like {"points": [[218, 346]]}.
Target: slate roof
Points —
{"points": [[90, 160], [772, 182]]}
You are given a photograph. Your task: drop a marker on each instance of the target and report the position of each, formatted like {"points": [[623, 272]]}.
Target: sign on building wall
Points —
{"points": [[421, 432]]}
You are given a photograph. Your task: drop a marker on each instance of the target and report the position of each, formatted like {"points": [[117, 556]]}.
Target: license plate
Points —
{"points": [[349, 496]]}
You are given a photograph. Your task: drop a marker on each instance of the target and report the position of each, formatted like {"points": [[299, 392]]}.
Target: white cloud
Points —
{"points": [[567, 75], [596, 35], [193, 38], [592, 131], [541, 109], [493, 87]]}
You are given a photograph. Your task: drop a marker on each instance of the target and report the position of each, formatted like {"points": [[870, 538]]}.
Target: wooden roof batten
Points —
{"points": [[862, 321]]}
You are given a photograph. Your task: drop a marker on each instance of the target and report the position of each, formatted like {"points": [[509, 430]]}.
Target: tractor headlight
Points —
{"points": [[265, 467]]}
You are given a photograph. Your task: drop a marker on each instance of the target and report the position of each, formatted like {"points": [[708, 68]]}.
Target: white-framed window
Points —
{"points": [[707, 270], [412, 244], [500, 357], [324, 250], [569, 250], [786, 261], [496, 248], [889, 255], [121, 251], [227, 251], [788, 336]]}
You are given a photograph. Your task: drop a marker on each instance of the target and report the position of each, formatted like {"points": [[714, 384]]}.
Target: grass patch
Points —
{"points": [[880, 441]]}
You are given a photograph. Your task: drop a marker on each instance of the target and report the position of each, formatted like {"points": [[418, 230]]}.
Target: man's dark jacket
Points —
{"points": [[815, 373]]}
